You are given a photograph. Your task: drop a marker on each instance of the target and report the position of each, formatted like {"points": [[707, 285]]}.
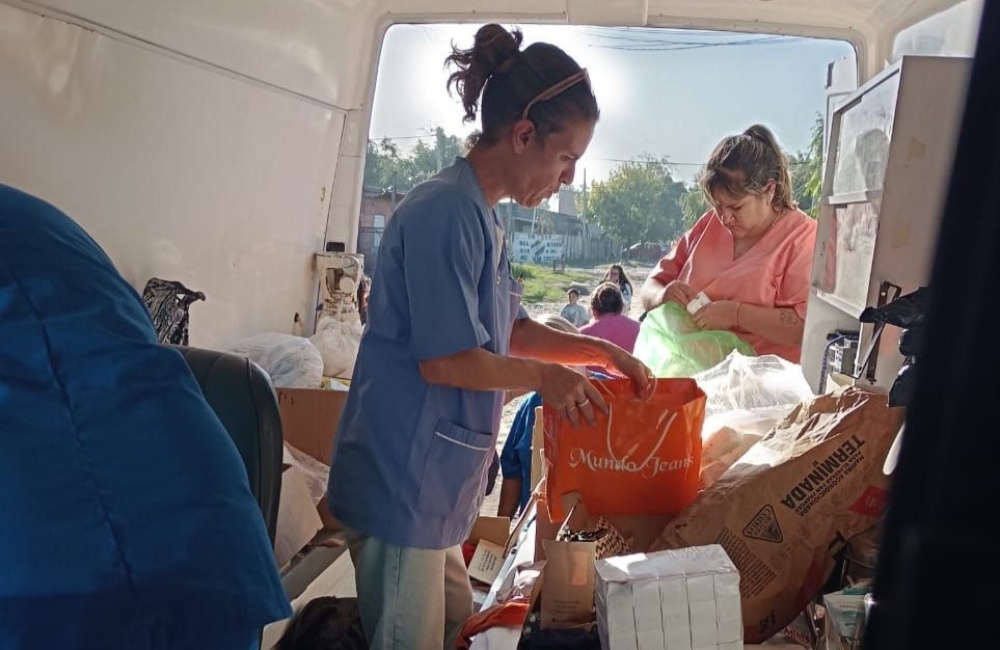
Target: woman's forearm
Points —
{"points": [[510, 497], [531, 339], [651, 293], [779, 325]]}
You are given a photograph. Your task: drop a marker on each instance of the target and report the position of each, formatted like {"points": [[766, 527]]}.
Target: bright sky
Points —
{"points": [[662, 92]]}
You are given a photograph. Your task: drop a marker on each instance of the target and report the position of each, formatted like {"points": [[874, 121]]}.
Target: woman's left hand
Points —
{"points": [[718, 315], [623, 362]]}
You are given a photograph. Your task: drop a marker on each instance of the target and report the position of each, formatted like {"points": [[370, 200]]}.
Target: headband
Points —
{"points": [[556, 89]]}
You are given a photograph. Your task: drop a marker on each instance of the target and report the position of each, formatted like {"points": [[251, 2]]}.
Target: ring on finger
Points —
{"points": [[584, 402]]}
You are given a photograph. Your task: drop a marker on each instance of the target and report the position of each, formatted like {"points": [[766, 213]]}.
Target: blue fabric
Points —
{"points": [[410, 458], [515, 459], [129, 521]]}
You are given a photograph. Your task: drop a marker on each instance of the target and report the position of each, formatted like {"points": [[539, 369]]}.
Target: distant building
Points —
{"points": [[535, 235], [567, 202], [377, 206]]}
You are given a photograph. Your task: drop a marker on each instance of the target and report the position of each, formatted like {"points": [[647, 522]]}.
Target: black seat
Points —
{"points": [[242, 396]]}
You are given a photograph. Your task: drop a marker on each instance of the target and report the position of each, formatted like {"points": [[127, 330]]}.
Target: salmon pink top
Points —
{"points": [[773, 273]]}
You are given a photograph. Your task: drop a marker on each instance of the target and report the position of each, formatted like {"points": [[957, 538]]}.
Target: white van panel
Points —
{"points": [[319, 49], [326, 49], [179, 171]]}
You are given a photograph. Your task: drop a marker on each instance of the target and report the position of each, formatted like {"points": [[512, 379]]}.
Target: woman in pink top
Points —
{"points": [[607, 305], [751, 254]]}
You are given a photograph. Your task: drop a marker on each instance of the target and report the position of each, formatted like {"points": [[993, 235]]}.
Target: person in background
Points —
{"points": [[616, 275], [515, 458], [574, 312], [607, 305], [751, 253], [449, 337], [363, 283]]}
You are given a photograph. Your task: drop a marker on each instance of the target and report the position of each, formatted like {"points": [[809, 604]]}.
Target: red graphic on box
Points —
{"points": [[871, 503]]}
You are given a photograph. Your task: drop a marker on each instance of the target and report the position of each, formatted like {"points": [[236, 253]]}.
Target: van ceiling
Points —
{"points": [[325, 50]]}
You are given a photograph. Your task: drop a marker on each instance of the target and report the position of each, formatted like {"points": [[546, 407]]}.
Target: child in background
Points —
{"points": [[574, 312]]}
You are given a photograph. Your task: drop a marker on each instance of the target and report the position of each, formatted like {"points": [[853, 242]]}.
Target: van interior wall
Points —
{"points": [[178, 170]]}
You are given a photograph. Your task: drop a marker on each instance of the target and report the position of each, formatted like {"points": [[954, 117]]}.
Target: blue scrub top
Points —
{"points": [[410, 458]]}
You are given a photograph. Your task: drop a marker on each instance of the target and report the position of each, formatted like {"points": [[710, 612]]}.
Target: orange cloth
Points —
{"points": [[775, 272], [509, 614]]}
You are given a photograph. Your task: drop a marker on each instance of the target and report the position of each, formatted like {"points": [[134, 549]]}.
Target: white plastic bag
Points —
{"points": [[762, 385], [338, 343], [315, 473], [290, 361], [747, 396]]}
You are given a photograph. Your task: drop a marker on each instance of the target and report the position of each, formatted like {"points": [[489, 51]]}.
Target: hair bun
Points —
{"points": [[759, 132], [496, 48]]}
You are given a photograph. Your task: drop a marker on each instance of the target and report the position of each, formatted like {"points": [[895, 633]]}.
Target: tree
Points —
{"points": [[427, 160], [383, 164], [387, 166], [639, 202], [807, 171], [693, 204]]}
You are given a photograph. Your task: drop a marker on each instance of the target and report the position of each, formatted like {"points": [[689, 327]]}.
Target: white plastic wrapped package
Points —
{"points": [[314, 472], [338, 343], [747, 396], [290, 361]]}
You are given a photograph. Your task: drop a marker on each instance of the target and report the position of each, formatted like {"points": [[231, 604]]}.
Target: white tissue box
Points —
{"points": [[682, 599]]}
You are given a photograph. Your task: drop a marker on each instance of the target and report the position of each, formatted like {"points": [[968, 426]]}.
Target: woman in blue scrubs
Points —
{"points": [[447, 337]]}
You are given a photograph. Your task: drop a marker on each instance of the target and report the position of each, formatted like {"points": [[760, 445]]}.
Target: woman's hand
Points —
{"points": [[621, 362], [678, 292], [571, 393], [718, 315]]}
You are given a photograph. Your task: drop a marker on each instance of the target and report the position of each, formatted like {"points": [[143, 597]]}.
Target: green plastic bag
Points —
{"points": [[671, 344]]}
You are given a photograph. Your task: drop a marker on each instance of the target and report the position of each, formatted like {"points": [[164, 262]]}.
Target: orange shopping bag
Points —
{"points": [[642, 458]]}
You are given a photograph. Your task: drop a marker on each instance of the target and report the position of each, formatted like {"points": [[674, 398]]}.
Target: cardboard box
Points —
{"points": [[309, 419], [537, 449], [568, 591], [545, 528], [490, 536]]}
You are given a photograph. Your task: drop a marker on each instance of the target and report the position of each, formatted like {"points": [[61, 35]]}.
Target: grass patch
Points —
{"points": [[542, 284]]}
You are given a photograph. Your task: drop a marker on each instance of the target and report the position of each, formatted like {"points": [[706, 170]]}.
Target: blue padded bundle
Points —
{"points": [[128, 521]]}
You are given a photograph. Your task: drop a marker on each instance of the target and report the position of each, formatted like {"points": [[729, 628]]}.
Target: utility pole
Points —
{"points": [[439, 147]]}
